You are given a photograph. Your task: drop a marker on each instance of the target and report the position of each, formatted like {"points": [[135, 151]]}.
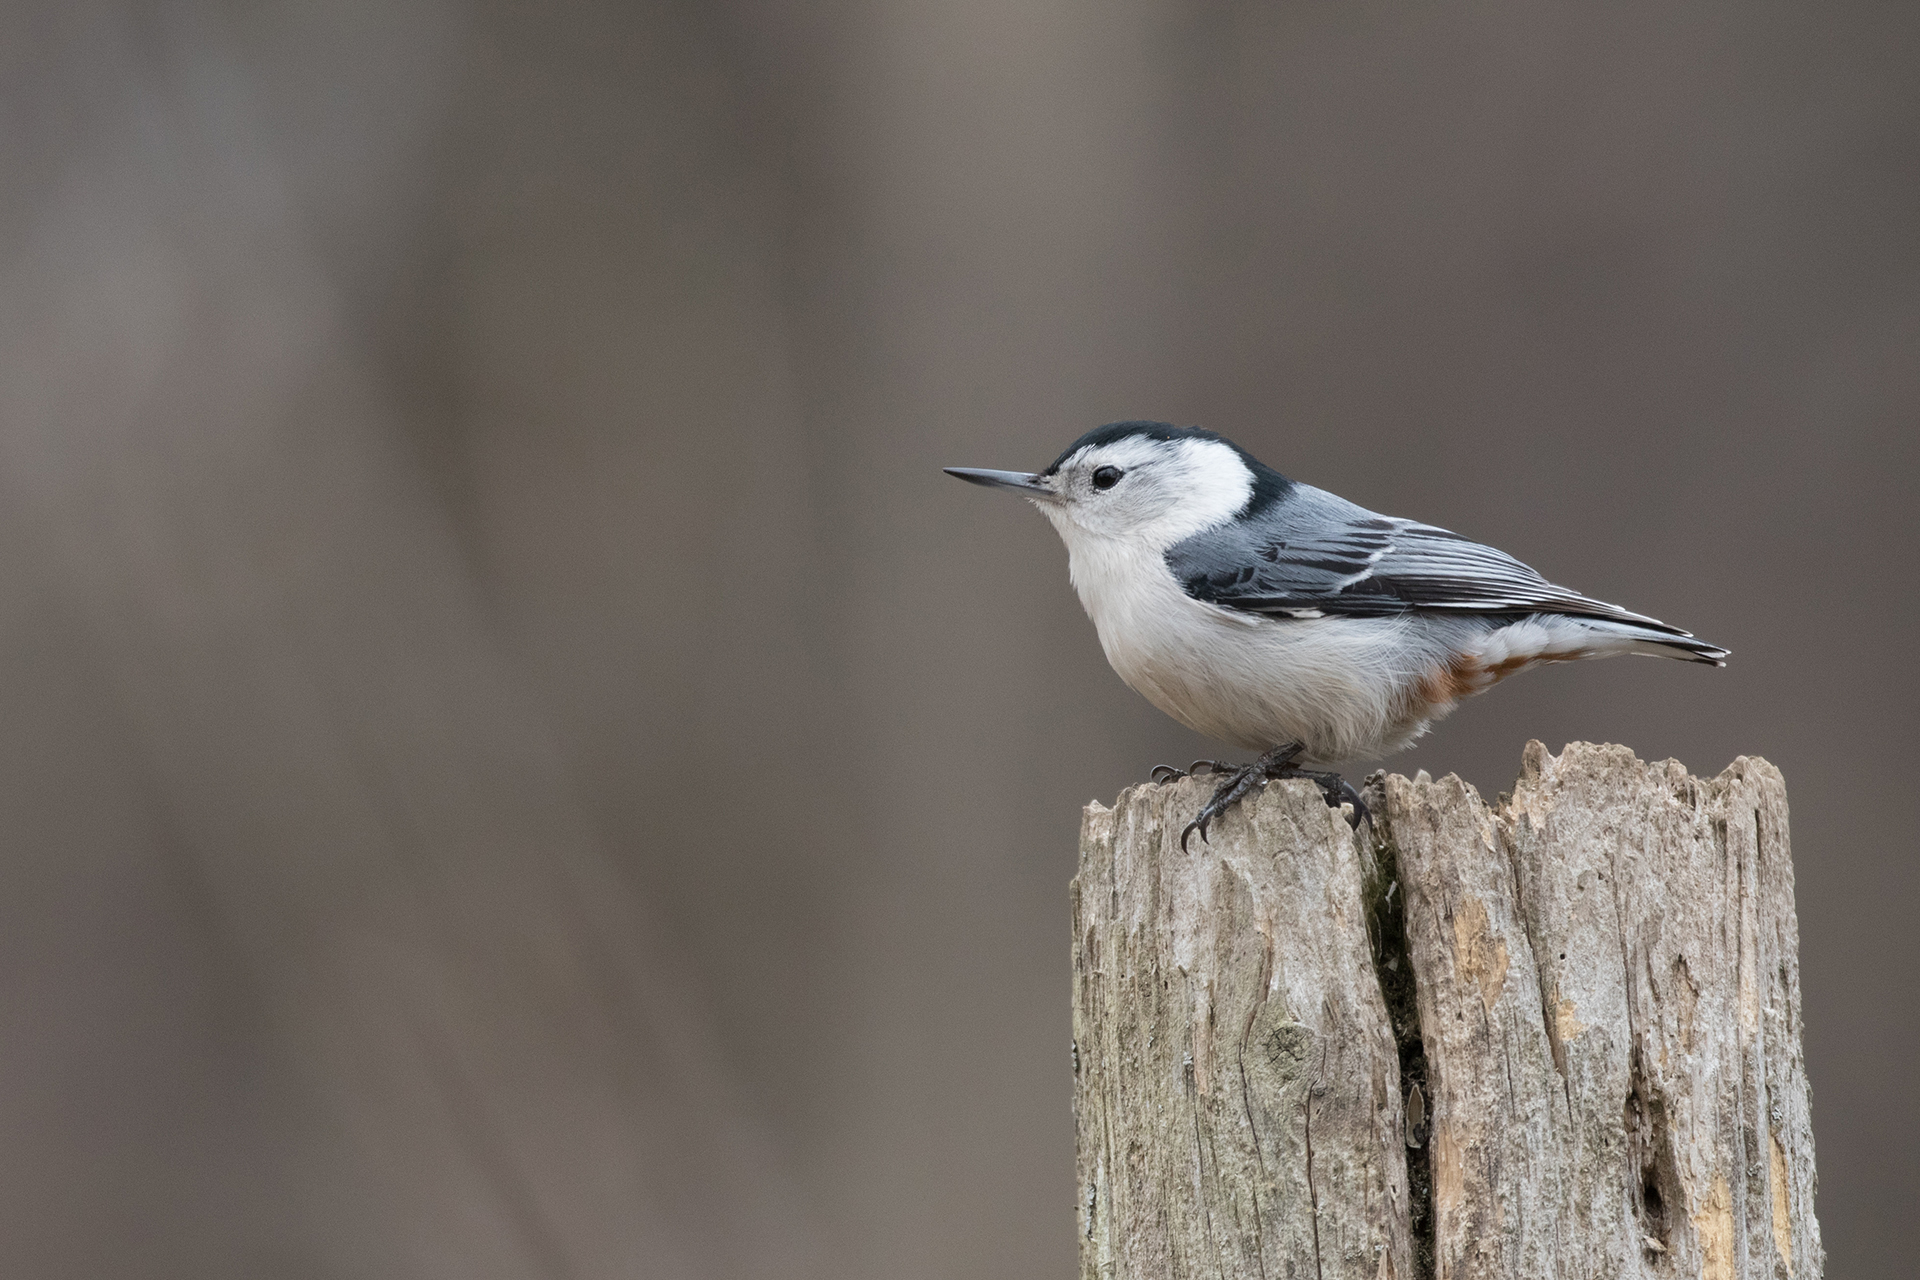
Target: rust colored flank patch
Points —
{"points": [[1463, 676]]}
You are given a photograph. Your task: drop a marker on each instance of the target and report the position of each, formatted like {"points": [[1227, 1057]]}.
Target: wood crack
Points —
{"points": [[1313, 1195]]}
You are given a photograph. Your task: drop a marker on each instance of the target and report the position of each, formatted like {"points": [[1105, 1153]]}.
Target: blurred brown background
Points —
{"points": [[514, 761]]}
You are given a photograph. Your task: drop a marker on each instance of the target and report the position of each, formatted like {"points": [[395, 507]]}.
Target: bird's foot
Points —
{"points": [[1277, 763], [1239, 782]]}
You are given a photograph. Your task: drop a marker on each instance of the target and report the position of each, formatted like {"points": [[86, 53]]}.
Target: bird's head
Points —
{"points": [[1141, 482]]}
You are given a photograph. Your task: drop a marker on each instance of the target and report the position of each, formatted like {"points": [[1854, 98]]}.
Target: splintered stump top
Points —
{"points": [[1557, 1037]]}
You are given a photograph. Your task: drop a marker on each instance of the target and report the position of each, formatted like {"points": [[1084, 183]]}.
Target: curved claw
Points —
{"points": [[1164, 773], [1359, 806], [1338, 791], [1359, 810], [1198, 824]]}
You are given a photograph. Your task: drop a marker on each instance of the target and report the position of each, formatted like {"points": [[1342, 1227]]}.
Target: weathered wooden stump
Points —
{"points": [[1555, 1037]]}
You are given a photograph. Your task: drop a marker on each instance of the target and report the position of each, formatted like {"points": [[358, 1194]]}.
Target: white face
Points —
{"points": [[1139, 490]]}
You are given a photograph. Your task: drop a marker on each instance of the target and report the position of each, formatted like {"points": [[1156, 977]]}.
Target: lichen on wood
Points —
{"points": [[1590, 989]]}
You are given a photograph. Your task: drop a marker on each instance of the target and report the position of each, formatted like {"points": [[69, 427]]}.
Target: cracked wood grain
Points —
{"points": [[1605, 973], [1237, 1087], [1608, 976]]}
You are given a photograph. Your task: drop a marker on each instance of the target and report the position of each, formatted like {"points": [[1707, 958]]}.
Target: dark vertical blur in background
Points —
{"points": [[514, 761]]}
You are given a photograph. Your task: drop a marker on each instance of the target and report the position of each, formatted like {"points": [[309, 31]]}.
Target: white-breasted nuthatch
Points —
{"points": [[1278, 617]]}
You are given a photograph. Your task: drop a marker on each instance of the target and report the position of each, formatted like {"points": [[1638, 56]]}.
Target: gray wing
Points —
{"points": [[1313, 554]]}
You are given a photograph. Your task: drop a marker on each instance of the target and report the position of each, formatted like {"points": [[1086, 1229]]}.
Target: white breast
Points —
{"points": [[1346, 687]]}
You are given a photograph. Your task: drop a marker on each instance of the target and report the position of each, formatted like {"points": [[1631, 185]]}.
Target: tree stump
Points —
{"points": [[1554, 1037]]}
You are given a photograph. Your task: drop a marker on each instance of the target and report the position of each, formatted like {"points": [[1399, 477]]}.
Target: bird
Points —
{"points": [[1280, 618]]}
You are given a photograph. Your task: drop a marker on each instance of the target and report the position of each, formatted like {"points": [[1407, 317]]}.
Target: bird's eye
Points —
{"points": [[1106, 477]]}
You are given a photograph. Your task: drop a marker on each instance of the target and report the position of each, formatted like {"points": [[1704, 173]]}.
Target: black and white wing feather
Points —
{"points": [[1312, 554]]}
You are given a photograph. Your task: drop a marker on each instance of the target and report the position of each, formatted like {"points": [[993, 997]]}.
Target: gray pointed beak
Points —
{"points": [[1019, 481]]}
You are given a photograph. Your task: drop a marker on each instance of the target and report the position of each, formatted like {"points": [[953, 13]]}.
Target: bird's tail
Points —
{"points": [[1649, 639]]}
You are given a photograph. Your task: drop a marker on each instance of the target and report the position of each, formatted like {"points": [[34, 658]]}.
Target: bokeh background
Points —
{"points": [[514, 762]]}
